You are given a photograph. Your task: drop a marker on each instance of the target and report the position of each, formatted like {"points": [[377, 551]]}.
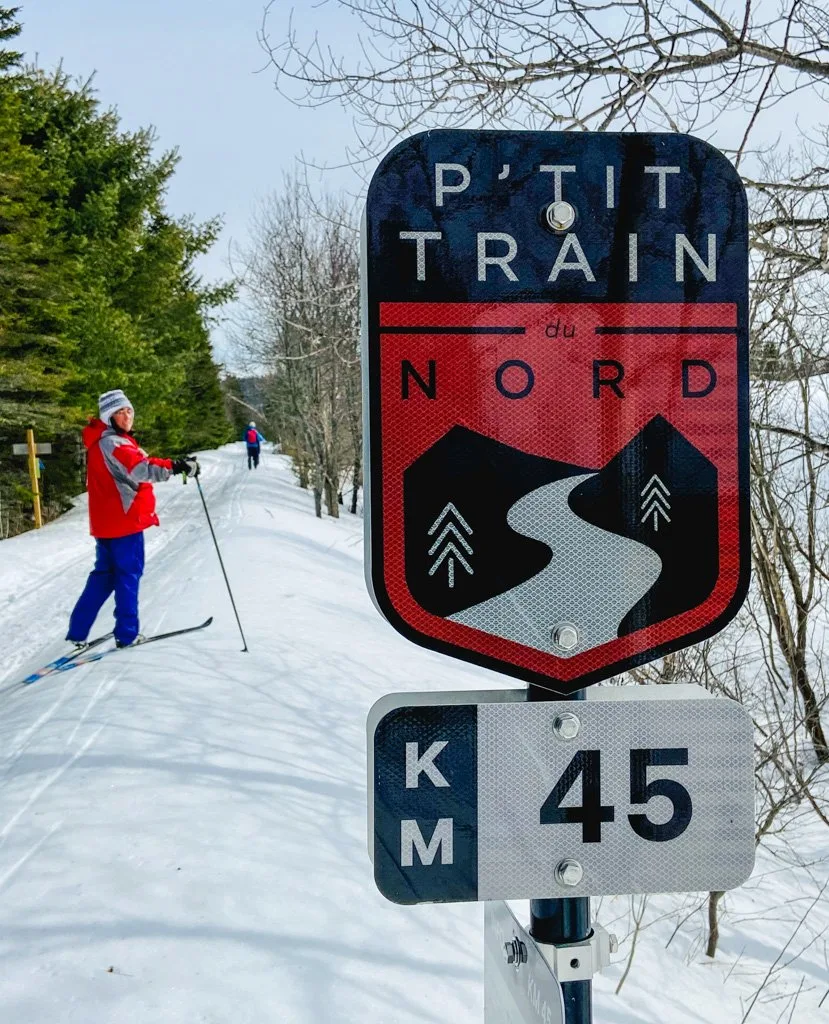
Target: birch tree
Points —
{"points": [[301, 327]]}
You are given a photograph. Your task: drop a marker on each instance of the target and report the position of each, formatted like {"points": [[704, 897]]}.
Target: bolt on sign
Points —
{"points": [[556, 359]]}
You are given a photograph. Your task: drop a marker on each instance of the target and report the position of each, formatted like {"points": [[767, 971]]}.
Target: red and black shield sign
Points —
{"points": [[556, 359]]}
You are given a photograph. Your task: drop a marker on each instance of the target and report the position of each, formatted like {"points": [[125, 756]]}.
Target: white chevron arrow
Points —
{"points": [[655, 482], [657, 496], [450, 528], [657, 511]]}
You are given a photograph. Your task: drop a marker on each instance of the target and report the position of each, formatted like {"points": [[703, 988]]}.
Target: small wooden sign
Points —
{"points": [[40, 449]]}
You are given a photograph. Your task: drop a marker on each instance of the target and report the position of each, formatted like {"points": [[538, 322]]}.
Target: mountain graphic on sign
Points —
{"points": [[661, 491], [513, 544], [459, 492]]}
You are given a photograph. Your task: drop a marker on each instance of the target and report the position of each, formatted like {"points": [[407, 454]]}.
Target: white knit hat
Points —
{"points": [[110, 402]]}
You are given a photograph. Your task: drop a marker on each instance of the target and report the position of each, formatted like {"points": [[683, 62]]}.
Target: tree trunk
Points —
{"points": [[814, 726], [713, 923], [303, 471], [319, 487], [331, 503], [357, 479]]}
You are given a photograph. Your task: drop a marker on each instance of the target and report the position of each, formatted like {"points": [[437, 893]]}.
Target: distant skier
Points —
{"points": [[119, 479], [254, 440]]}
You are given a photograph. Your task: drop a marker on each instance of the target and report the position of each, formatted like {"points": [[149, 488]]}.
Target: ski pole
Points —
{"points": [[221, 563]]}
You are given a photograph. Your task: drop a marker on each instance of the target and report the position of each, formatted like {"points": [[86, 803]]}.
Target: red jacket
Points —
{"points": [[119, 478]]}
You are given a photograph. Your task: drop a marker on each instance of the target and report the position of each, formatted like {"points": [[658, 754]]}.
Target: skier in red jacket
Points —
{"points": [[119, 479]]}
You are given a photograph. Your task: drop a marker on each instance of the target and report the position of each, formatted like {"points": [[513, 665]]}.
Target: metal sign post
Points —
{"points": [[519, 983], [564, 921], [32, 450]]}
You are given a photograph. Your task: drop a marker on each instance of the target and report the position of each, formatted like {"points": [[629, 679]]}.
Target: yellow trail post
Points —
{"points": [[33, 474]]}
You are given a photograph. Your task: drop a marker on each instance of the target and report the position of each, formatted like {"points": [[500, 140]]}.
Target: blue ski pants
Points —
{"points": [[119, 564]]}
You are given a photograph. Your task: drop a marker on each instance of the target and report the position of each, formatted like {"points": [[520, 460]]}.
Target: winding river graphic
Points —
{"points": [[593, 579]]}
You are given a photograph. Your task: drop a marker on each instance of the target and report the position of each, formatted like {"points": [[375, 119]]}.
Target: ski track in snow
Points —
{"points": [[41, 787], [106, 684], [19, 744], [194, 818], [28, 854]]}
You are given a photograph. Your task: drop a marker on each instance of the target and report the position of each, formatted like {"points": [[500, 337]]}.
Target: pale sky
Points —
{"points": [[189, 67]]}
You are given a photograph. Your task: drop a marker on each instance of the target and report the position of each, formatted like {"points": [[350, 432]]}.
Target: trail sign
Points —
{"points": [[41, 448], [32, 450], [555, 346], [485, 796]]}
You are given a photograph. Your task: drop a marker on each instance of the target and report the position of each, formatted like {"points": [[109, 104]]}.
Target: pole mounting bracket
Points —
{"points": [[579, 961]]}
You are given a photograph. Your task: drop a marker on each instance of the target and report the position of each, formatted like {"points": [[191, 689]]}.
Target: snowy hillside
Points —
{"points": [[183, 826]]}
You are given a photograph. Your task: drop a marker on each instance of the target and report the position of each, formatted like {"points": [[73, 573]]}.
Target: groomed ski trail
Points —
{"points": [[183, 830], [194, 817]]}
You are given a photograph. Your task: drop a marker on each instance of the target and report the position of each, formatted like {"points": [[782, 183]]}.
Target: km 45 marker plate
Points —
{"points": [[557, 377], [481, 795]]}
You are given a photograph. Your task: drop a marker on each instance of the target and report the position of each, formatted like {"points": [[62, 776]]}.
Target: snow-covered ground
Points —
{"points": [[182, 827]]}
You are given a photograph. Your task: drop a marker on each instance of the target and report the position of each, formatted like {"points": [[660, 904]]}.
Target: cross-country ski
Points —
{"points": [[84, 658], [64, 659]]}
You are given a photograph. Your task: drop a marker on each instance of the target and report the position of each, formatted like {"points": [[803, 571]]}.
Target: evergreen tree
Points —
{"points": [[97, 281], [36, 355], [141, 320], [9, 29]]}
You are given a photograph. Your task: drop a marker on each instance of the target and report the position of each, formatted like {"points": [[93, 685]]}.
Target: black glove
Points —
{"points": [[189, 465]]}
